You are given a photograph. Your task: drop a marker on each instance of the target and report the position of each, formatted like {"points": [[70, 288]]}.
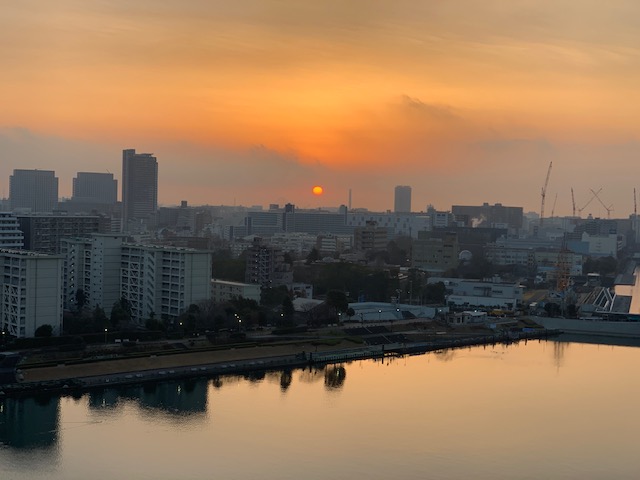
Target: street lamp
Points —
{"points": [[379, 313], [105, 336]]}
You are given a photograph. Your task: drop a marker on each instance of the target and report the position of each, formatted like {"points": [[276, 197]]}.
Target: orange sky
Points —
{"points": [[258, 101]]}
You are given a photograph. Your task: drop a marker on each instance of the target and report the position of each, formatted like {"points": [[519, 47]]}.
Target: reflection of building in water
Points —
{"points": [[558, 353], [103, 399], [174, 397], [188, 396], [29, 422], [285, 380]]}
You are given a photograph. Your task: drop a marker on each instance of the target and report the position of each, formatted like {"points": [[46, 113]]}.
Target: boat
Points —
{"points": [[601, 323]]}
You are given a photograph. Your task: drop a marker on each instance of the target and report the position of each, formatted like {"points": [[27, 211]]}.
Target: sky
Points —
{"points": [[254, 102]]}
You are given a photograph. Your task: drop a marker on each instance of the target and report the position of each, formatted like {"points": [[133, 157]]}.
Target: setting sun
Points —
{"points": [[317, 190]]}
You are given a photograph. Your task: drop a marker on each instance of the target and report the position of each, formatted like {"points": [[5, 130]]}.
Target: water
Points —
{"points": [[527, 411]]}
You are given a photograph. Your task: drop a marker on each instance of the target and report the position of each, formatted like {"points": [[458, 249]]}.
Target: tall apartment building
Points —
{"points": [[93, 265], [265, 265], [11, 236], [30, 292], [402, 199], [163, 280], [43, 232], [35, 190], [139, 188], [99, 188]]}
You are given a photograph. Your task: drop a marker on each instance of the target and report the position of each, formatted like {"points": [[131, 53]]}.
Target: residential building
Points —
{"points": [[370, 237], [266, 266], [11, 237], [93, 265], [33, 190], [402, 199], [139, 189], [435, 251], [163, 281], [225, 290], [30, 292]]}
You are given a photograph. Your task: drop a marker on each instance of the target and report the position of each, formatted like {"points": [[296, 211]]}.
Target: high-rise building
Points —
{"points": [[99, 188], [139, 188], [402, 203], [35, 190], [30, 292], [43, 232]]}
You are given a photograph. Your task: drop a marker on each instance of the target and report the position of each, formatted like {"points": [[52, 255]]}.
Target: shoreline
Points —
{"points": [[65, 379]]}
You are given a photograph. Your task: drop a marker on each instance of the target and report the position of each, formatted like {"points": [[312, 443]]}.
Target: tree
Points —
{"points": [[337, 300], [45, 330], [81, 300], [313, 256], [287, 311], [120, 312], [350, 312]]}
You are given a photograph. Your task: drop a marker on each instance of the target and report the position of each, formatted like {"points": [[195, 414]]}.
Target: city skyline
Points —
{"points": [[260, 102]]}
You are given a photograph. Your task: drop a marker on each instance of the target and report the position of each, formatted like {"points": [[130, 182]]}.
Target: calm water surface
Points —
{"points": [[551, 410]]}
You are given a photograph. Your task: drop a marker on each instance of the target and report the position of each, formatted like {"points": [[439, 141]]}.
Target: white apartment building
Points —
{"points": [[30, 292], [92, 265], [11, 237], [163, 280], [225, 290]]}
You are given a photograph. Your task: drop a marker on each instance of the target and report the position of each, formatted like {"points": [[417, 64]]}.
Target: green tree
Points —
{"points": [[45, 330], [314, 256], [337, 301], [120, 313], [81, 300], [287, 311]]}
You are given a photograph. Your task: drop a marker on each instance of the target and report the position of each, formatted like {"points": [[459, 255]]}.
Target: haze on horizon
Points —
{"points": [[258, 101]]}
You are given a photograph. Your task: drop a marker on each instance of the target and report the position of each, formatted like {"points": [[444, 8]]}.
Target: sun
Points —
{"points": [[317, 190]]}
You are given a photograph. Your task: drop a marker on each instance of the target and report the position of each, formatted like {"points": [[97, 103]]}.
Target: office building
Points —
{"points": [[43, 232], [33, 190], [139, 189], [30, 292], [402, 199], [98, 188]]}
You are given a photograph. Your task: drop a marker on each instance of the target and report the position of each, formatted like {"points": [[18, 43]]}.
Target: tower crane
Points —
{"points": [[573, 201], [553, 209], [609, 209], [544, 193], [593, 195]]}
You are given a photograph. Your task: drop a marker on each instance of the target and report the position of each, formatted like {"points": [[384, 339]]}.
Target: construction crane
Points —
{"points": [[593, 195], [609, 209], [573, 201], [635, 216], [553, 209], [544, 194]]}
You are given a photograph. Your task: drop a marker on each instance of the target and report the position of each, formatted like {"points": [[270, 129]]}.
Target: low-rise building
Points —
{"points": [[483, 294], [225, 290]]}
